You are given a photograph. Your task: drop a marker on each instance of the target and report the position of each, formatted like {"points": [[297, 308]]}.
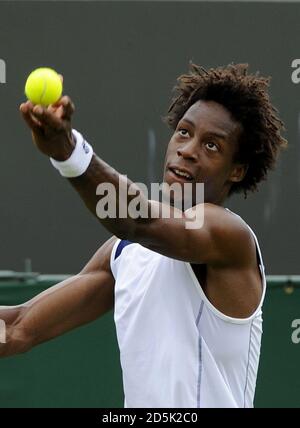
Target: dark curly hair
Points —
{"points": [[245, 96]]}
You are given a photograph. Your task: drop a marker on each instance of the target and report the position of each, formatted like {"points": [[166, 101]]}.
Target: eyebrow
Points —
{"points": [[220, 134]]}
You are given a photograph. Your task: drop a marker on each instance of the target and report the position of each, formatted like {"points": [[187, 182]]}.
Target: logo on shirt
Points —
{"points": [[85, 147]]}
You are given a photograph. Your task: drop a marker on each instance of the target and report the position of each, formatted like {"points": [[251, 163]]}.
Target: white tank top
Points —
{"points": [[176, 348]]}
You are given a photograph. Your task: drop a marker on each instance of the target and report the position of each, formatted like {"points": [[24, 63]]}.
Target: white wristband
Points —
{"points": [[79, 160]]}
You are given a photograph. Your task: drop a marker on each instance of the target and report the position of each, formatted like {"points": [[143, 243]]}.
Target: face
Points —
{"points": [[202, 150]]}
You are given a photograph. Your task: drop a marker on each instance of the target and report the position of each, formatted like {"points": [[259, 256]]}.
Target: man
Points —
{"points": [[187, 302]]}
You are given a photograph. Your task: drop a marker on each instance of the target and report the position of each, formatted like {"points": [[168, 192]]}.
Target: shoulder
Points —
{"points": [[221, 219], [101, 260], [230, 233]]}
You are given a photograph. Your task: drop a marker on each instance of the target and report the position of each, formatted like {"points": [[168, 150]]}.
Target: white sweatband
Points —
{"points": [[79, 160]]}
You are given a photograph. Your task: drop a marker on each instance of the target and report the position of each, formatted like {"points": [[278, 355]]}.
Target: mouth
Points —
{"points": [[180, 174]]}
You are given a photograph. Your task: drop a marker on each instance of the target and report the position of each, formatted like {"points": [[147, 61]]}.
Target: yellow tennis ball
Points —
{"points": [[43, 86]]}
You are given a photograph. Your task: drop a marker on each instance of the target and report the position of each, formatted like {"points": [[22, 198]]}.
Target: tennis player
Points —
{"points": [[187, 301]]}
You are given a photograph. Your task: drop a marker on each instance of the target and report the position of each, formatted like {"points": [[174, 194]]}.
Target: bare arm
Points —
{"points": [[63, 307], [51, 130]]}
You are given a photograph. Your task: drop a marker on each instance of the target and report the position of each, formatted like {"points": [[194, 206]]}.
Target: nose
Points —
{"points": [[188, 151]]}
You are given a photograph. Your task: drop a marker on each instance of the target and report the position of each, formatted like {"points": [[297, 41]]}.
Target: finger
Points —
{"points": [[27, 107], [60, 112], [32, 122], [68, 106], [46, 117], [28, 104], [51, 108], [57, 110], [26, 110], [61, 78]]}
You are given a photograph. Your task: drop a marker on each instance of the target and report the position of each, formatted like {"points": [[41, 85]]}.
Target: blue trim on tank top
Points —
{"points": [[122, 244]]}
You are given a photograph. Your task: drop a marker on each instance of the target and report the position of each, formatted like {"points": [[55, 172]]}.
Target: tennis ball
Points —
{"points": [[43, 86]]}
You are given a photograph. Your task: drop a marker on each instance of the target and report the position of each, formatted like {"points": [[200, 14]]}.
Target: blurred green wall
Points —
{"points": [[79, 369]]}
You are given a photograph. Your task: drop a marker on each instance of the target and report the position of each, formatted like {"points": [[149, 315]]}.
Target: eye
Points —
{"points": [[183, 132], [213, 147]]}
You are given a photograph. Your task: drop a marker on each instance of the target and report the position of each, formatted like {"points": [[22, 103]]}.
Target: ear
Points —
{"points": [[238, 172]]}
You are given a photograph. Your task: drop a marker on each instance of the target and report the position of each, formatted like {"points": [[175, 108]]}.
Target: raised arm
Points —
{"points": [[63, 307], [52, 134]]}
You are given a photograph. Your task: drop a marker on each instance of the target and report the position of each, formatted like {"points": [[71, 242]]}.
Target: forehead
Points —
{"points": [[212, 116]]}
